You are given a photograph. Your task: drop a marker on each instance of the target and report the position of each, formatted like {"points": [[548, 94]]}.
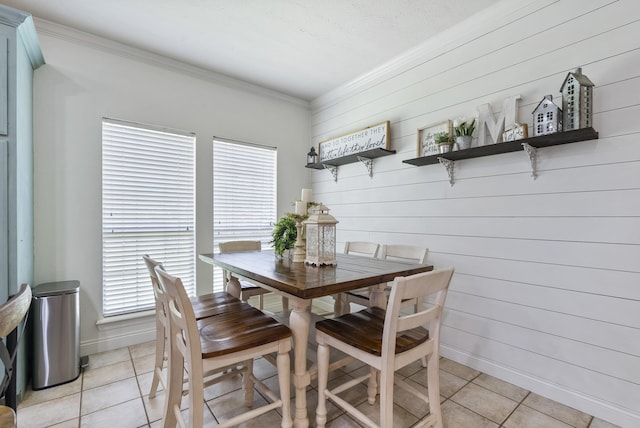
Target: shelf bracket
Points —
{"points": [[334, 171], [449, 165], [368, 163], [532, 152]]}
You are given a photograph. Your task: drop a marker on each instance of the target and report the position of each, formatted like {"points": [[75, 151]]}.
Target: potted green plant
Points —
{"points": [[464, 130], [443, 140], [284, 234]]}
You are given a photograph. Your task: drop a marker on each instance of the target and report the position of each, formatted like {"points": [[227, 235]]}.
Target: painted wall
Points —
{"points": [[85, 79], [546, 293]]}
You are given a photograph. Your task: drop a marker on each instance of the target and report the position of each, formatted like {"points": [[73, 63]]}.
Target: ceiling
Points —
{"points": [[302, 48]]}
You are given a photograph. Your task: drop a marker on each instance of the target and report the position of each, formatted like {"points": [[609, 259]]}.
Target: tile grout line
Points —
{"points": [[135, 376], [514, 409]]}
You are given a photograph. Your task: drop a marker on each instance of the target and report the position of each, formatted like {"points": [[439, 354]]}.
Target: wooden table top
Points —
{"points": [[308, 282]]}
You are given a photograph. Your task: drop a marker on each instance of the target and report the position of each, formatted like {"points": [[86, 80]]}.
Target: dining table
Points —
{"points": [[301, 283]]}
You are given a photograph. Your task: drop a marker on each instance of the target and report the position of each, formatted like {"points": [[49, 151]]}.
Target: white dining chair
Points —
{"points": [[400, 252], [203, 306], [387, 340], [216, 342], [354, 248], [247, 289]]}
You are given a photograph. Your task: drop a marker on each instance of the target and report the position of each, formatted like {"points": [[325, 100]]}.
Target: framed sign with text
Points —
{"points": [[427, 137], [353, 143]]}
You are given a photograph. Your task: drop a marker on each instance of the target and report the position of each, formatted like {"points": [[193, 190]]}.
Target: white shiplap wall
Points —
{"points": [[546, 293]]}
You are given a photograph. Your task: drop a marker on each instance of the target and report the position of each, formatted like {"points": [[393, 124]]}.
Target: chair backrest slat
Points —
{"points": [[404, 252], [160, 298], [361, 248], [181, 317], [237, 246], [434, 283], [13, 310]]}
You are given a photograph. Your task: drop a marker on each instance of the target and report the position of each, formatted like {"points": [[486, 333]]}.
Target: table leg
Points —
{"points": [[340, 304], [300, 324], [378, 297], [234, 287]]}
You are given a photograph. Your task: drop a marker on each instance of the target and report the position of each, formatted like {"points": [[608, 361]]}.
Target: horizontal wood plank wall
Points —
{"points": [[546, 292]]}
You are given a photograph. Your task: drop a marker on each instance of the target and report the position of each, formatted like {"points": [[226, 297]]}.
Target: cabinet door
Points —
{"points": [[4, 98], [4, 237]]}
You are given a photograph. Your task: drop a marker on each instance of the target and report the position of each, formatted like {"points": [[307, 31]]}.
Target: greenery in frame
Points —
{"points": [[443, 138]]}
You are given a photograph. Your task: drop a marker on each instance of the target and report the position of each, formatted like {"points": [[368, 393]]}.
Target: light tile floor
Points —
{"points": [[114, 390]]}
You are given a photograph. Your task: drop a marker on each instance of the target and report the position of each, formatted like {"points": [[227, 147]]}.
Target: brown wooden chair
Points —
{"points": [[216, 342], [248, 289], [203, 306], [12, 312], [387, 341]]}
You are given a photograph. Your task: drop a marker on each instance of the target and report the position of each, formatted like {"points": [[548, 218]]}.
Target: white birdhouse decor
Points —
{"points": [[321, 237], [577, 101], [547, 117]]}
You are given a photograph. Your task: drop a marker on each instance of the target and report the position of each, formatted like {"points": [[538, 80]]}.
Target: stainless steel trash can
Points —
{"points": [[56, 333]]}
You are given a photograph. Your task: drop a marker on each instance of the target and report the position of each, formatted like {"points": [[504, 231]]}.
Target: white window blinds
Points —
{"points": [[148, 207], [244, 194]]}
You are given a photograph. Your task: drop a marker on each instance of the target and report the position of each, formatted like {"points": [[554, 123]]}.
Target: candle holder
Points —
{"points": [[299, 252]]}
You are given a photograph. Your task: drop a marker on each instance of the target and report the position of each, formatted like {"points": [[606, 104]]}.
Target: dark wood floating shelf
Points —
{"points": [[369, 154], [510, 146], [365, 157]]}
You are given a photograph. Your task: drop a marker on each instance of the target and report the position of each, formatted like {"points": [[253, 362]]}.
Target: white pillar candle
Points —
{"points": [[306, 195], [301, 208]]}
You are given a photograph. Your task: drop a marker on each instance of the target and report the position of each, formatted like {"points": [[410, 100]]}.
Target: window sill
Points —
{"points": [[125, 320]]}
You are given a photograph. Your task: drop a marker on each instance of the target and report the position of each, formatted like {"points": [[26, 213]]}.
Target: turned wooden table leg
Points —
{"points": [[300, 324], [234, 287], [378, 297]]}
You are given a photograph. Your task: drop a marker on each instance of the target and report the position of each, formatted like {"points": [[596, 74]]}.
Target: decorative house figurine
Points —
{"points": [[321, 237], [547, 117], [577, 101]]}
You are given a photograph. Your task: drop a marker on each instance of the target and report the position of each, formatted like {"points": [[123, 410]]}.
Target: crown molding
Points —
{"points": [[26, 30], [441, 43], [29, 36], [72, 35], [12, 17]]}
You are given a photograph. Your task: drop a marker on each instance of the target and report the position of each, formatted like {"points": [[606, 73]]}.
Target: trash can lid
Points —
{"points": [[56, 288]]}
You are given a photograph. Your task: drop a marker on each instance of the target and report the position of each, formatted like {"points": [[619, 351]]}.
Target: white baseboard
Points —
{"points": [[577, 400], [112, 342]]}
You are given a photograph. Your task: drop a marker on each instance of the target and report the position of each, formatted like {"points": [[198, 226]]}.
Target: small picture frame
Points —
{"points": [[427, 137], [520, 131], [517, 131], [508, 135]]}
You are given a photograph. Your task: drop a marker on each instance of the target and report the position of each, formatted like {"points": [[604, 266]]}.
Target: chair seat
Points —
{"points": [[7, 417], [217, 303], [364, 329], [239, 330], [362, 293], [249, 286]]}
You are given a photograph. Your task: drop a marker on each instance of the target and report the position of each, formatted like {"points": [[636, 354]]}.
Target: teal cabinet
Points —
{"points": [[20, 55]]}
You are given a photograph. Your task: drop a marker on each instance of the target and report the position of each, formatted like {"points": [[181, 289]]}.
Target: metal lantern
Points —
{"points": [[312, 156], [321, 237]]}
